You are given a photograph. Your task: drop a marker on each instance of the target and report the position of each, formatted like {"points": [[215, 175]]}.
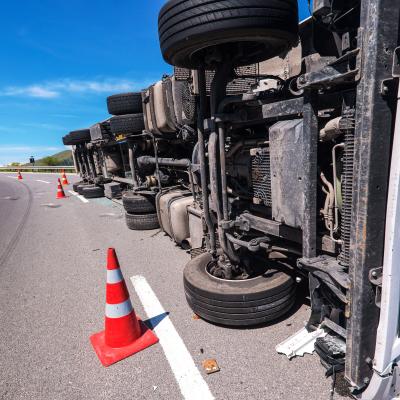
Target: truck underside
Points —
{"points": [[267, 154]]}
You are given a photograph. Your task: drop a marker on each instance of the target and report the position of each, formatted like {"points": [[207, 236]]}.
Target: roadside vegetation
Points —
{"points": [[63, 158]]}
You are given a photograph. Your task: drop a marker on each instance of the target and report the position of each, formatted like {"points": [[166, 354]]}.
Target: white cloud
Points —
{"points": [[53, 89], [41, 125], [31, 91], [19, 149]]}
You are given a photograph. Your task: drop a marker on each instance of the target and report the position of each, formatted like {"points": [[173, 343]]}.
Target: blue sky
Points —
{"points": [[61, 59]]}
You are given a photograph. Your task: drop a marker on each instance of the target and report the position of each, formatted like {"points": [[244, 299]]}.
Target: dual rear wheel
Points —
{"points": [[254, 301], [140, 211]]}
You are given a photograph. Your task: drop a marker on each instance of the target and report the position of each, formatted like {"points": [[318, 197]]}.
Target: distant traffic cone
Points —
{"points": [[64, 179], [19, 177], [125, 334], [60, 191]]}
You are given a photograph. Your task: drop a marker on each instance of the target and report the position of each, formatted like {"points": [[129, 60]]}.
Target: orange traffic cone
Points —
{"points": [[19, 177], [60, 191], [125, 334], [64, 179]]}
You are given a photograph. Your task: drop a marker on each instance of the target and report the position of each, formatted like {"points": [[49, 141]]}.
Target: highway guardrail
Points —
{"points": [[41, 168]]}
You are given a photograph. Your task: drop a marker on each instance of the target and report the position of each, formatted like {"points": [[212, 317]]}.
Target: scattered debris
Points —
{"points": [[111, 215], [300, 343], [211, 366], [9, 198], [50, 205], [95, 249], [155, 388], [202, 351], [195, 317]]}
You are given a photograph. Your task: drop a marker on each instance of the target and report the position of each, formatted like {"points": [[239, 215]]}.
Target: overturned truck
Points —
{"points": [[271, 154], [294, 174]]}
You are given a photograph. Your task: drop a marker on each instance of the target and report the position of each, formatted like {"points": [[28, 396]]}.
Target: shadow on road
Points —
{"points": [[151, 323]]}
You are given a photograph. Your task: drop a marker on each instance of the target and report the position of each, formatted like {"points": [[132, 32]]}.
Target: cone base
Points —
{"points": [[110, 355]]}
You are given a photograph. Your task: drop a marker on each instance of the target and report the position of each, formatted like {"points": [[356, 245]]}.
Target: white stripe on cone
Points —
{"points": [[119, 310], [114, 276]]}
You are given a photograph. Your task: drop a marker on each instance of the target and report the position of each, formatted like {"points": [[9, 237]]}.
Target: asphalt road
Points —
{"points": [[52, 290]]}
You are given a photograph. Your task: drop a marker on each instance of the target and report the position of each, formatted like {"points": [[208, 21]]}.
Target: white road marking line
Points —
{"points": [[81, 198], [12, 177], [39, 180], [190, 381]]}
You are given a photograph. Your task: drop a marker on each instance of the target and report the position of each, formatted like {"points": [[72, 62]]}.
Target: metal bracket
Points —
{"points": [[334, 327], [226, 224], [375, 276], [388, 87], [329, 266], [243, 224], [396, 63], [343, 70]]}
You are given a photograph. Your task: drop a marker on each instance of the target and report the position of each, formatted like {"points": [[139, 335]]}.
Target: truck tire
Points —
{"points": [[237, 303], [66, 140], [76, 184], [138, 204], [77, 137], [125, 124], [82, 186], [125, 103], [92, 192], [187, 28], [141, 222]]}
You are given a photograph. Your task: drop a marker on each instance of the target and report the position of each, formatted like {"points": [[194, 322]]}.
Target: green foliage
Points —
{"points": [[62, 158], [15, 164], [51, 161]]}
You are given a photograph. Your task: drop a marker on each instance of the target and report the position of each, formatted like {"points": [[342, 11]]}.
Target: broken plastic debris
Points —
{"points": [[210, 366], [300, 343]]}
